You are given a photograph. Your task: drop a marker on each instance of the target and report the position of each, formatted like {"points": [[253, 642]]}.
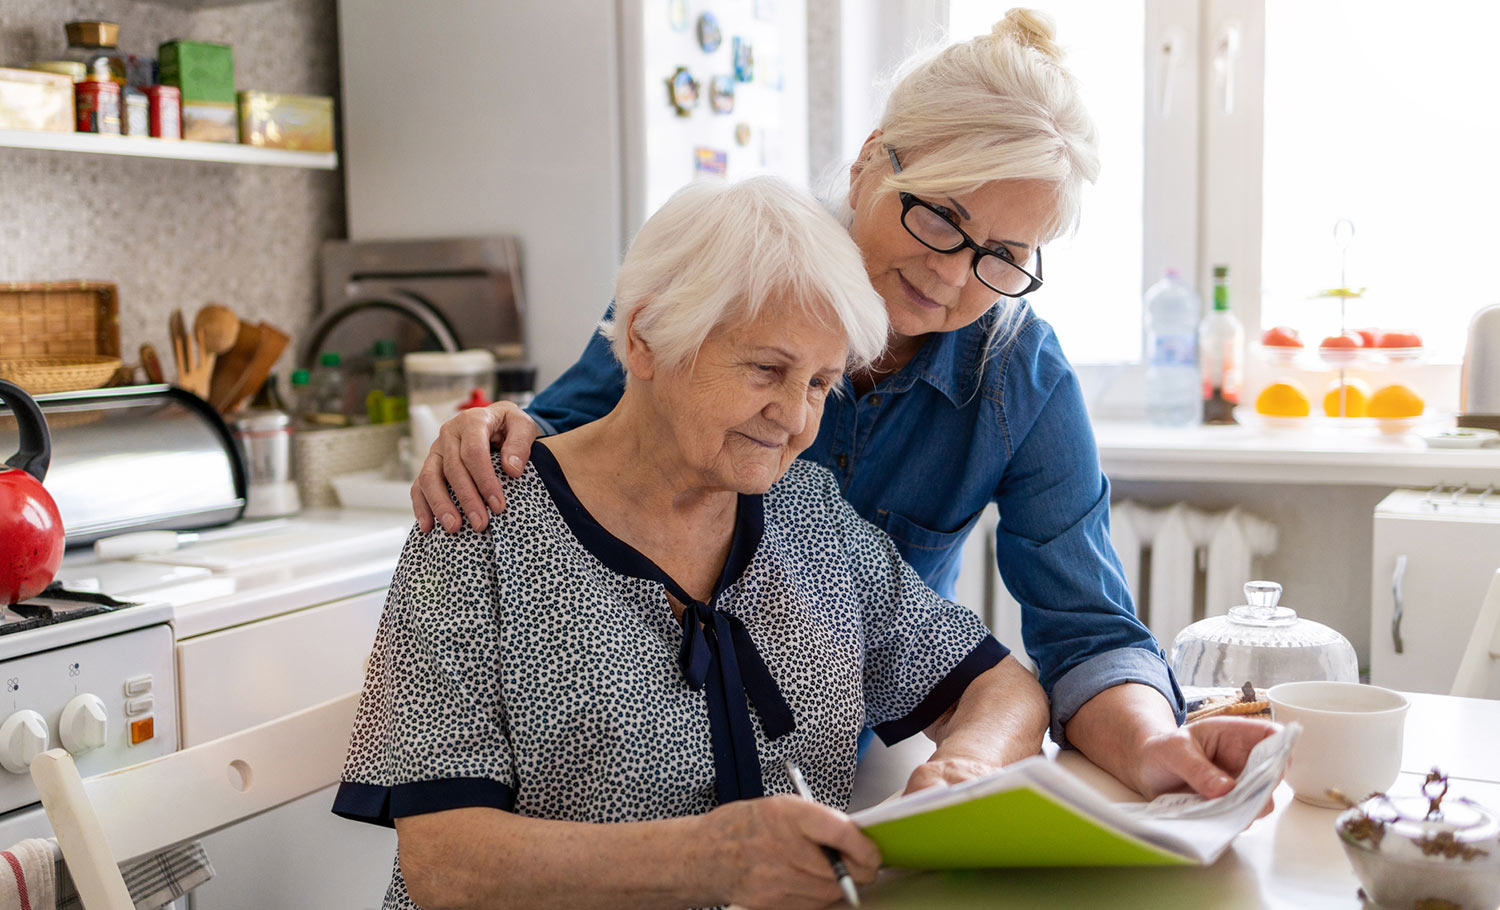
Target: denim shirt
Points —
{"points": [[922, 453]]}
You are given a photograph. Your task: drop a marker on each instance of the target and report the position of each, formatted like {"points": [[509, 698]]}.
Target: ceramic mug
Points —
{"points": [[1351, 739]]}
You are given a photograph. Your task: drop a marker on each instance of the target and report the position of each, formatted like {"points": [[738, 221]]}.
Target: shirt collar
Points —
{"points": [[950, 361], [621, 557]]}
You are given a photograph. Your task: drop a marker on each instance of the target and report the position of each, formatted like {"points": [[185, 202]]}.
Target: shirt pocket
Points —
{"points": [[912, 536]]}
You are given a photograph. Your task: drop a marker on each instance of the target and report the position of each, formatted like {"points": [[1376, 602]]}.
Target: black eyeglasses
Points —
{"points": [[933, 227]]}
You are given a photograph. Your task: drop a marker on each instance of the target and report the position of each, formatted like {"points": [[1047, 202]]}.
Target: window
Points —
{"points": [[1380, 113], [1092, 295]]}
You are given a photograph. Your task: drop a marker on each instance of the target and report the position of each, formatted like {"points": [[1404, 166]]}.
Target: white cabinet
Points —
{"points": [[300, 855], [1432, 562]]}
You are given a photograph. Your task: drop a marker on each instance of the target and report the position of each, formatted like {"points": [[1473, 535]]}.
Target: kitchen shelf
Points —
{"points": [[181, 150]]}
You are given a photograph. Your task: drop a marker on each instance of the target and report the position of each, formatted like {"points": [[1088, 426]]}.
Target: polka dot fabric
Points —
{"points": [[512, 669]]}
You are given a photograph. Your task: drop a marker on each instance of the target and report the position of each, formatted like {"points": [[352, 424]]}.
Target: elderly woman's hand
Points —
{"points": [[460, 458], [769, 850]]}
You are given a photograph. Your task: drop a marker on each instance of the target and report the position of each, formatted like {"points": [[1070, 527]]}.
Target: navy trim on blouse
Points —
{"points": [[985, 655], [717, 652], [383, 805]]}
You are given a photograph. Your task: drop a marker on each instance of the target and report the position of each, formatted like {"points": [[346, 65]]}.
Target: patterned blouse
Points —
{"points": [[537, 667]]}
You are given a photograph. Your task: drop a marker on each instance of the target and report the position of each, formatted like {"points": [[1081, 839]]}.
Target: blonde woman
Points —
{"points": [[977, 163]]}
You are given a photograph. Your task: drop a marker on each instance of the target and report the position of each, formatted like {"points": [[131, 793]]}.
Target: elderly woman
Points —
{"points": [[590, 702]]}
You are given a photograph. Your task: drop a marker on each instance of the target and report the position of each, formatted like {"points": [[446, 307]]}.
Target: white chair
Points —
{"points": [[1481, 660], [134, 811]]}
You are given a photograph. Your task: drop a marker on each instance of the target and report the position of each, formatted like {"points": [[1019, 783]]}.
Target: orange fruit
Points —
{"points": [[1356, 399], [1395, 401], [1283, 399]]}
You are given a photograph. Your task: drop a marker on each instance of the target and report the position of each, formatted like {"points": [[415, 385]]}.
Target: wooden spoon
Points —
{"points": [[219, 326]]}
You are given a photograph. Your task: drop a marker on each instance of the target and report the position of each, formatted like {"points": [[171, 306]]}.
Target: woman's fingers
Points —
{"points": [[517, 432], [832, 828], [433, 490]]}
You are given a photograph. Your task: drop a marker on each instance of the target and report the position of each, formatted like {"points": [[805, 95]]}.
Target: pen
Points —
{"points": [[834, 860]]}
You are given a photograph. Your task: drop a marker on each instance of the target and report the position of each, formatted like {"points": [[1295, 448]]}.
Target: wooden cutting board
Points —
{"points": [[230, 367]]}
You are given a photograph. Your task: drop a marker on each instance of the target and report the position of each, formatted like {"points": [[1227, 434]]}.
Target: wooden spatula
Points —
{"points": [[272, 342], [231, 365]]}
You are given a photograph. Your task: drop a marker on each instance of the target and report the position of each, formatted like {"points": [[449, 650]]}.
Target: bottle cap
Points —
{"points": [[385, 348], [329, 359], [301, 377], [476, 400], [1221, 271]]}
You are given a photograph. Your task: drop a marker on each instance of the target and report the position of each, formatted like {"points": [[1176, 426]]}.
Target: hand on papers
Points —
{"points": [[1205, 756], [771, 856]]}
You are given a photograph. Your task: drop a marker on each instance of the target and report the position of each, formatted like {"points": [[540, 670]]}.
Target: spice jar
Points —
{"points": [[95, 45]]}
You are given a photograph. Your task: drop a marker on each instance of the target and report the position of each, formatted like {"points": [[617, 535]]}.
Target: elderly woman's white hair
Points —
{"points": [[717, 253]]}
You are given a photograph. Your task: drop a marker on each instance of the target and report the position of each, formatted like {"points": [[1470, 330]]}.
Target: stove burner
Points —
{"points": [[56, 604]]}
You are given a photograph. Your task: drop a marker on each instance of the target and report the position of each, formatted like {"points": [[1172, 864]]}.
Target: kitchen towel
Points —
{"points": [[28, 875], [152, 881]]}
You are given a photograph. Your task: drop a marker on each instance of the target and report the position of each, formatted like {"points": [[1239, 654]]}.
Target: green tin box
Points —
{"points": [[204, 73]]}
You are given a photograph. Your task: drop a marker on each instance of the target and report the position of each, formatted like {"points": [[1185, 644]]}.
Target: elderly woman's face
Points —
{"points": [[927, 291], [752, 400]]}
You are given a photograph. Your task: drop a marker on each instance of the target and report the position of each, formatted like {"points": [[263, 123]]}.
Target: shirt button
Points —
{"points": [[874, 399], [842, 460]]}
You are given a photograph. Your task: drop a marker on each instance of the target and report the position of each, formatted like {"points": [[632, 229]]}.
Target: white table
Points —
{"points": [[1291, 859]]}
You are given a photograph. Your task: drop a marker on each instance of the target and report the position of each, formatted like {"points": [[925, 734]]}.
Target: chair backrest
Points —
{"points": [[1481, 661], [130, 812]]}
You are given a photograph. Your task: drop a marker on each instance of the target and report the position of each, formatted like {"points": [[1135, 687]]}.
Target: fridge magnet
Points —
{"points": [[709, 36], [710, 161], [721, 94], [744, 60], [682, 90], [677, 15], [742, 133]]}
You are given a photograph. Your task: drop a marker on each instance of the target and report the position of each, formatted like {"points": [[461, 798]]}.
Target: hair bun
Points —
{"points": [[1029, 28]]}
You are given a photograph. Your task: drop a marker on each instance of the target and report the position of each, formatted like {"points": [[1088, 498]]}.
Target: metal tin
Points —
{"points": [[98, 107], [165, 111], [33, 100], [136, 117], [73, 69]]}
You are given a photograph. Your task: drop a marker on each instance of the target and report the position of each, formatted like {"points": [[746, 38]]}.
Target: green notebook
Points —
{"points": [[1036, 813]]}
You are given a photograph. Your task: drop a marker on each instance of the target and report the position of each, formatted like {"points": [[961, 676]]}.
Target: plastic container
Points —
{"points": [[326, 393], [386, 400], [1261, 643], [444, 380], [1173, 391]]}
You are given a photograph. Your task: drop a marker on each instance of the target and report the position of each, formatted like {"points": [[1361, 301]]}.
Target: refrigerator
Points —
{"points": [[1435, 554], [556, 122]]}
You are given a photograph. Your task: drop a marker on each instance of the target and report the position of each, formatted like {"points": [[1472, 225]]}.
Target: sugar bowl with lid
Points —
{"points": [[1424, 851]]}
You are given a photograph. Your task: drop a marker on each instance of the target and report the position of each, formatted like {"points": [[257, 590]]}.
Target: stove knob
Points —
{"points": [[23, 737], [84, 724]]}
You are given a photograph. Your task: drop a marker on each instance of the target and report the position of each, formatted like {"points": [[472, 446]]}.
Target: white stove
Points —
{"points": [[89, 674]]}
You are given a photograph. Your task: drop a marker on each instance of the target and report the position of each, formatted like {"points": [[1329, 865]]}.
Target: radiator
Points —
{"points": [[1190, 560], [1182, 563]]}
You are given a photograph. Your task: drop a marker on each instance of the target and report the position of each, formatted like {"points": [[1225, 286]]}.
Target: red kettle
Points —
{"points": [[31, 528]]}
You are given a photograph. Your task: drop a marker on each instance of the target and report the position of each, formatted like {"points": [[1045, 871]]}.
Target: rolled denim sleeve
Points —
{"points": [[1053, 546], [588, 390]]}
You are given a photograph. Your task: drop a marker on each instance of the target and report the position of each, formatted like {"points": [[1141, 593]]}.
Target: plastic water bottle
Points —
{"points": [[1173, 391]]}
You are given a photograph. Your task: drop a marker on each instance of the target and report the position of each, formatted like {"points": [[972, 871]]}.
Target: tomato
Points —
{"points": [[1281, 337], [1370, 337], [1346, 340], [1400, 340]]}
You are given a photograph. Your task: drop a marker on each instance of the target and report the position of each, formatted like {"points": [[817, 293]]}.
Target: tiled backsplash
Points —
{"points": [[177, 233]]}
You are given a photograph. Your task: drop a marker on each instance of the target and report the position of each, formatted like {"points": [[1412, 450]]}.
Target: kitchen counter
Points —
{"points": [[1135, 450]]}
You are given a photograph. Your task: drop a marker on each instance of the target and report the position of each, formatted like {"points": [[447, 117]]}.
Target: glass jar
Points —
{"points": [[1261, 643], [444, 380]]}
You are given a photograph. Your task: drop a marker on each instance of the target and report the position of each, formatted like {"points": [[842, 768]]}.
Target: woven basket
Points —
{"points": [[43, 373], [321, 455], [59, 317]]}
